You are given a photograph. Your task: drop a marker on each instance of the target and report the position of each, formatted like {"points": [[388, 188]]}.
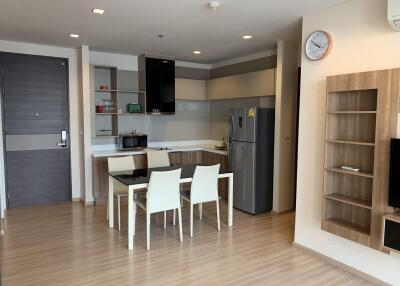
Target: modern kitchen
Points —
{"points": [[198, 115]]}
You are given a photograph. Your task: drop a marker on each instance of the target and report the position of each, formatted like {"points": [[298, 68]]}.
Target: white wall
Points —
{"points": [[363, 41], [71, 55], [120, 61]]}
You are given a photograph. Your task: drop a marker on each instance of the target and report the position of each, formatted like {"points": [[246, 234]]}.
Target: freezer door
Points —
{"points": [[243, 165], [235, 124]]}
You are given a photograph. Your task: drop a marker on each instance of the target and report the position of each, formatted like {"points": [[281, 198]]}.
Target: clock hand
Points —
{"points": [[316, 44]]}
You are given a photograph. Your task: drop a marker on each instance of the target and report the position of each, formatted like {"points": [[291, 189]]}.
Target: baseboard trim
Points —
{"points": [[74, 200], [1, 228], [282, 212], [89, 203], [343, 266]]}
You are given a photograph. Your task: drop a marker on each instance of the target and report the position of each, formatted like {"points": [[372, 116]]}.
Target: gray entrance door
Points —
{"points": [[35, 122]]}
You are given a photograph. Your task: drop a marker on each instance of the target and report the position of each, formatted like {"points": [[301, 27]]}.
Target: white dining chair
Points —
{"points": [[204, 189], [162, 195], [117, 164], [157, 159]]}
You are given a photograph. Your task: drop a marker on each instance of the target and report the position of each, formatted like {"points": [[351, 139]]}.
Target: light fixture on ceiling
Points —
{"points": [[74, 35], [214, 5], [197, 52], [98, 11], [247, 37]]}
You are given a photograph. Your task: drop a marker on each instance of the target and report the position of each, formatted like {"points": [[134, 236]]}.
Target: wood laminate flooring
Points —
{"points": [[70, 244]]}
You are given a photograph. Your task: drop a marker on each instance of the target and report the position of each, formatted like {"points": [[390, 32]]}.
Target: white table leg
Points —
{"points": [[110, 202], [230, 200], [131, 213]]}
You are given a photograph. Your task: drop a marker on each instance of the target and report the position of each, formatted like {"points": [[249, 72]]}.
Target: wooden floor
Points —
{"points": [[70, 244]]}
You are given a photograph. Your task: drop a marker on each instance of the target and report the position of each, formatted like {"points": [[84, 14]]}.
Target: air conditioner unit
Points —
{"points": [[394, 14]]}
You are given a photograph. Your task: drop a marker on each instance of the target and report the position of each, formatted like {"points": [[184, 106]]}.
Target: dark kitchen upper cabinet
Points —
{"points": [[157, 78]]}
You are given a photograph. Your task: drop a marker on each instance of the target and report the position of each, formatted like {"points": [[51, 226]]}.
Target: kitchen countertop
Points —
{"points": [[188, 148]]}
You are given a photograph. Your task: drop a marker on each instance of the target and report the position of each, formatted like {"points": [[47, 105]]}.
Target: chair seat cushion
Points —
{"points": [[185, 195], [141, 201], [120, 191]]}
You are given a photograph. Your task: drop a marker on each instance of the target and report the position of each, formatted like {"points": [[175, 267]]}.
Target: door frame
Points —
{"points": [[76, 169], [7, 201]]}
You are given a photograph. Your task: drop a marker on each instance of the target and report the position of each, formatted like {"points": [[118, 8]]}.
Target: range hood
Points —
{"points": [[157, 78]]}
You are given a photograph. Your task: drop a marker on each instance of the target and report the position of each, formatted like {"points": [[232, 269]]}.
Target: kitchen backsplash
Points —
{"points": [[193, 120]]}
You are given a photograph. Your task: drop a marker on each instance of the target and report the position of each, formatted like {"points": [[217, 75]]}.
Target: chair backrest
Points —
{"points": [[157, 159], [163, 192], [205, 184], [116, 164]]}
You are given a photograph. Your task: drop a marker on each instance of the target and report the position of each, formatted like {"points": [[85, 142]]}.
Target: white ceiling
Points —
{"points": [[132, 26]]}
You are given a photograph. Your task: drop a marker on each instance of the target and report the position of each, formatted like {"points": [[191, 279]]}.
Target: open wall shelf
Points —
{"points": [[361, 117], [121, 88], [349, 200]]}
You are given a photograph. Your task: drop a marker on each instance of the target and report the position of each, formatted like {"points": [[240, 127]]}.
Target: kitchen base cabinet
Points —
{"points": [[210, 158], [100, 170]]}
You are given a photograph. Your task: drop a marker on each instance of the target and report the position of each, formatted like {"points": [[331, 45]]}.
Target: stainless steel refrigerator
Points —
{"points": [[251, 157]]}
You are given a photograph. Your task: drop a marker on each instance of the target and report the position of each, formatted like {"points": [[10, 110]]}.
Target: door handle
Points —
{"points": [[63, 142]]}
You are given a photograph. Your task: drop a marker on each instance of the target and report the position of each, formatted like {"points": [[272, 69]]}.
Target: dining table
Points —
{"points": [[138, 179]]}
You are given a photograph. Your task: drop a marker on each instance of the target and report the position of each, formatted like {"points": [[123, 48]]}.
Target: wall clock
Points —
{"points": [[318, 45]]}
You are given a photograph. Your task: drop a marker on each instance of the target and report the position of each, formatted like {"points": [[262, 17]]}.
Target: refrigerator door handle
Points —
{"points": [[230, 135], [230, 128]]}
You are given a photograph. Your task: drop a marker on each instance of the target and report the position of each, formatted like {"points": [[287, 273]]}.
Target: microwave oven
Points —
{"points": [[132, 142]]}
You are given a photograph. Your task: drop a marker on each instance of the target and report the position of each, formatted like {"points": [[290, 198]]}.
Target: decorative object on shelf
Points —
{"points": [[119, 110], [99, 108], [108, 105], [103, 87], [133, 107], [318, 45], [104, 132], [353, 169]]}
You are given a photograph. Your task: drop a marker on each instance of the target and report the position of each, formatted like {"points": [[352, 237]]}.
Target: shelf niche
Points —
{"points": [[121, 88]]}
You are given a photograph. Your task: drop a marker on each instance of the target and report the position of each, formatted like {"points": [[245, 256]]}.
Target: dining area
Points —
{"points": [[162, 188]]}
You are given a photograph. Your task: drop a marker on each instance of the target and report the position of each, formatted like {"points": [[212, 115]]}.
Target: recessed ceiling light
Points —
{"points": [[247, 37], [74, 35], [98, 11], [197, 52]]}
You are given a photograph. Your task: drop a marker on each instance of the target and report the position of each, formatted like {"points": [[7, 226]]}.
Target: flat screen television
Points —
{"points": [[394, 174]]}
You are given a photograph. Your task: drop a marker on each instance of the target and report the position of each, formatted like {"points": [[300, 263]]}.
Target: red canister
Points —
{"points": [[99, 108]]}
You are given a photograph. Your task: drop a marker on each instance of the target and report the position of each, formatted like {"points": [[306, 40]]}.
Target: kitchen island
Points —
{"points": [[204, 154]]}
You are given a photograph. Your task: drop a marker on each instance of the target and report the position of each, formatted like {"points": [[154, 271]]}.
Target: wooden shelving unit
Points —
{"points": [[353, 112], [361, 117], [351, 142], [348, 172], [122, 89], [349, 200]]}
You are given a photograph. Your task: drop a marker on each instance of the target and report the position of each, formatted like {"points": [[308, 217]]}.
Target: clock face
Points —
{"points": [[318, 45]]}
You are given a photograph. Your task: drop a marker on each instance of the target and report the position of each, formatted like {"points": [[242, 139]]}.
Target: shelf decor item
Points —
{"points": [[99, 108], [361, 118], [108, 105], [104, 87], [133, 107]]}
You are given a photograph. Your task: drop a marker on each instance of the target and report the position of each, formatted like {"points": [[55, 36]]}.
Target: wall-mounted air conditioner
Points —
{"points": [[394, 13]]}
